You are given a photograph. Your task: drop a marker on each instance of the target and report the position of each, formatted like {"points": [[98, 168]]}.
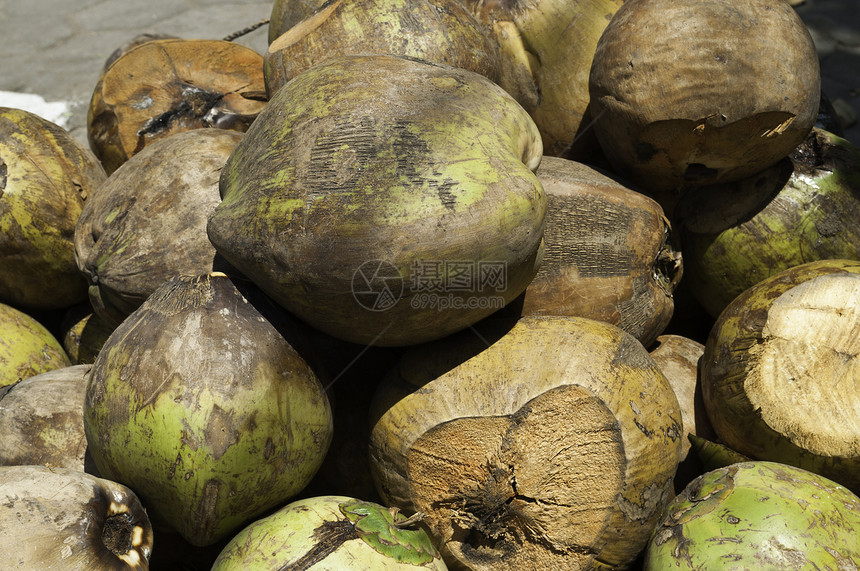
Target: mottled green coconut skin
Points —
{"points": [[45, 177], [368, 158], [201, 406], [27, 348], [725, 363], [758, 515], [803, 209], [439, 31], [331, 532]]}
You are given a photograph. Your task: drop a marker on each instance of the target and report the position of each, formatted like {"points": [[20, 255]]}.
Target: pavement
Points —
{"points": [[52, 51]]}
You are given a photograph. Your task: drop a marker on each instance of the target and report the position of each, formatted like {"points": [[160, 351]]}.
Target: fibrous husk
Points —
{"points": [[45, 177], [148, 222], [549, 444], [607, 254], [167, 86], [780, 373], [440, 31]]}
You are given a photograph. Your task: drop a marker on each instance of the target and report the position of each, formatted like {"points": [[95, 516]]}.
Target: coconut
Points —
{"points": [[678, 359], [148, 223], [441, 31], [331, 532], [199, 403], [779, 372], [686, 92], [758, 515], [804, 208], [546, 52], [169, 85], [45, 177], [27, 347], [287, 13], [84, 333], [549, 444], [385, 200], [56, 518], [607, 254], [42, 420]]}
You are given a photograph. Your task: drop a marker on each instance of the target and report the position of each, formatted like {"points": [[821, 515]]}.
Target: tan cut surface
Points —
{"points": [[806, 376], [530, 490]]}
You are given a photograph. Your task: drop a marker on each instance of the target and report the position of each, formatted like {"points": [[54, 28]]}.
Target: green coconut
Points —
{"points": [[385, 200], [758, 515], [331, 532], [45, 177], [546, 50], [805, 208], [440, 31], [27, 348], [201, 405]]}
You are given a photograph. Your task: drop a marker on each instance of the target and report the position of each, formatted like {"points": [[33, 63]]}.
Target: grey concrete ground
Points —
{"points": [[56, 48]]}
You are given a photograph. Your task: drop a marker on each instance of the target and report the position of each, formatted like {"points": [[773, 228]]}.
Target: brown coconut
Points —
{"points": [[149, 222], [549, 444], [691, 92], [42, 419], [546, 48], [166, 86], [607, 254]]}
